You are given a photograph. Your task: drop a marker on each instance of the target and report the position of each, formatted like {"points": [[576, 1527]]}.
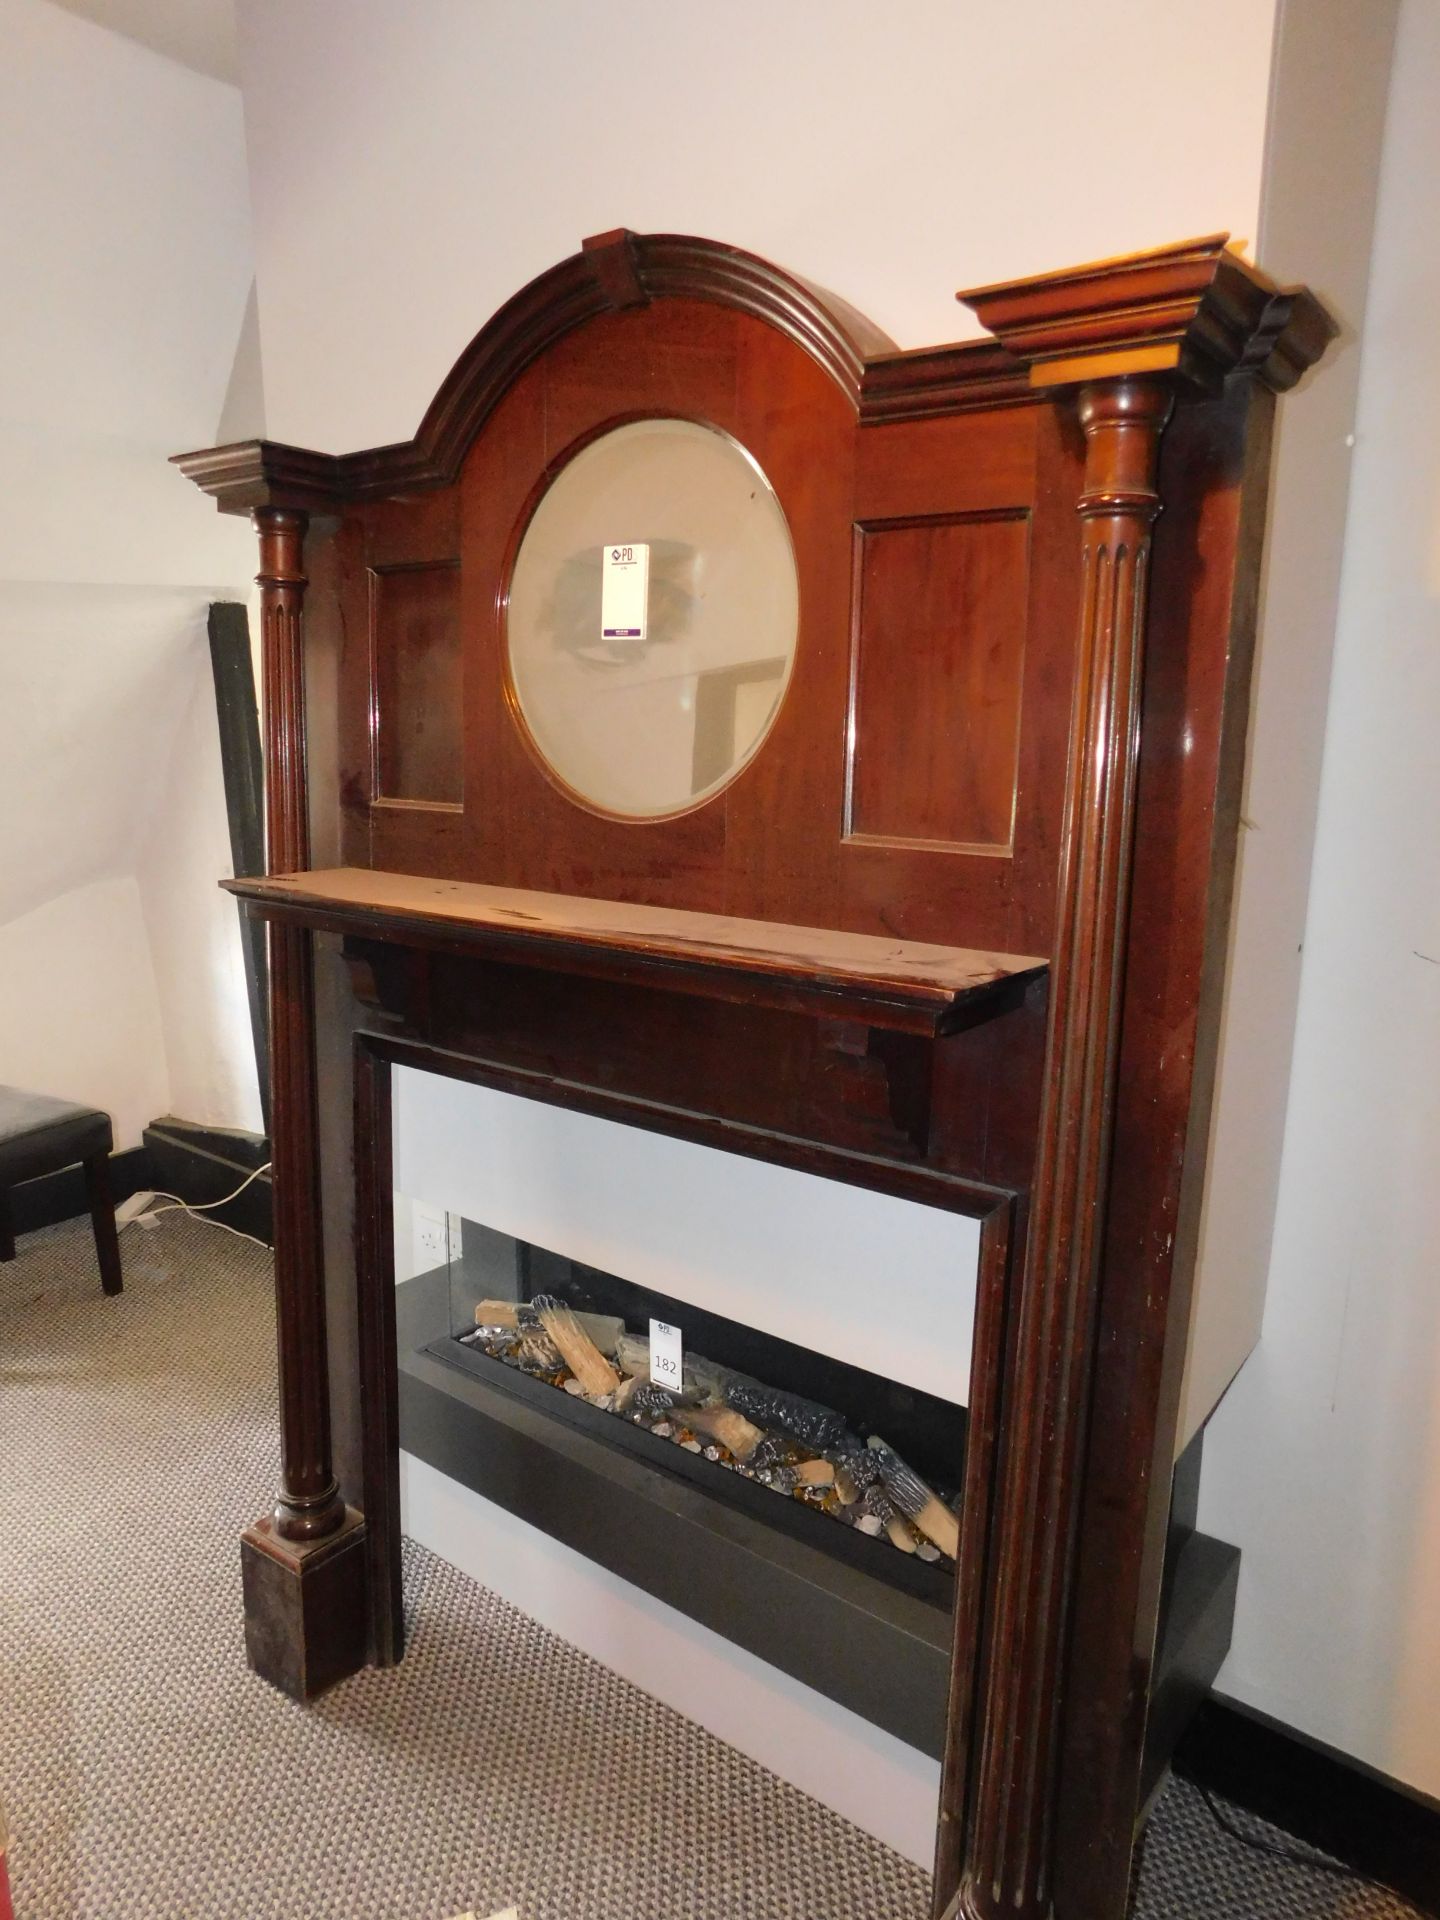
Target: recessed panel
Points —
{"points": [[938, 656], [415, 651]]}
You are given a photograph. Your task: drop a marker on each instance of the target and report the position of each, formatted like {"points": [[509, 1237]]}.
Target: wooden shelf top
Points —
{"points": [[905, 984]]}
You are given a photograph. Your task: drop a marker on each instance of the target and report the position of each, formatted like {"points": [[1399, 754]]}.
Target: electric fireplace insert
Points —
{"points": [[752, 1418], [802, 1505]]}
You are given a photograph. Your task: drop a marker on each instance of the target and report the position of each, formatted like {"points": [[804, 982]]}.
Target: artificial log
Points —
{"points": [[816, 1473], [728, 1428], [581, 1355], [604, 1329], [533, 1343], [909, 1493], [497, 1313]]}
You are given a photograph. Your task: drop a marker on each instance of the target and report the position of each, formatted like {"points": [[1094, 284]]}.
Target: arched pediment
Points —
{"points": [[611, 270]]}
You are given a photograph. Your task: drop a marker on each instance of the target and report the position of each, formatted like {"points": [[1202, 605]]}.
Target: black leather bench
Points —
{"points": [[40, 1135]]}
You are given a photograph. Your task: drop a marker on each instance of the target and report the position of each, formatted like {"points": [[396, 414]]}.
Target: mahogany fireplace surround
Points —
{"points": [[955, 931]]}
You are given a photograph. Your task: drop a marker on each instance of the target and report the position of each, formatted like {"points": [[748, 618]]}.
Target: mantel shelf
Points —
{"points": [[905, 985]]}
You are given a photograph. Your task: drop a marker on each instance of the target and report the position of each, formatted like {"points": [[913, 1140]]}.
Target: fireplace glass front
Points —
{"points": [[861, 1465]]}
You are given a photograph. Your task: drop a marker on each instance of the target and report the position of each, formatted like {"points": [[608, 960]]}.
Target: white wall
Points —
{"points": [[1324, 1462], [413, 166], [79, 1013], [125, 232], [1331, 71], [191, 924]]}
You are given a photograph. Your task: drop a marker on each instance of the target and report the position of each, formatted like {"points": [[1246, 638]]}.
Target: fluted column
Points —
{"points": [[309, 1504], [1007, 1856]]}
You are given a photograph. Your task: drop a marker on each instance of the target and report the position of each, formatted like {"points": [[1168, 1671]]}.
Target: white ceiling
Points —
{"points": [[198, 33]]}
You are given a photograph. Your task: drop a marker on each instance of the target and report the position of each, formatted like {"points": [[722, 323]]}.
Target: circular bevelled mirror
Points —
{"points": [[652, 617]]}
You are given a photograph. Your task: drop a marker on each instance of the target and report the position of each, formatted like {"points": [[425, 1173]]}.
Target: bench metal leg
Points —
{"points": [[7, 1229], [102, 1219]]}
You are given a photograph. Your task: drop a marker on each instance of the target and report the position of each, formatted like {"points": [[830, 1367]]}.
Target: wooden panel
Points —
{"points": [[521, 828], [619, 1047], [766, 845], [938, 655], [783, 826], [965, 463], [773, 843], [415, 647], [413, 838], [934, 890], [382, 541]]}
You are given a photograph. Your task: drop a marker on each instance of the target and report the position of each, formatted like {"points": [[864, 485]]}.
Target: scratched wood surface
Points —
{"points": [[930, 975]]}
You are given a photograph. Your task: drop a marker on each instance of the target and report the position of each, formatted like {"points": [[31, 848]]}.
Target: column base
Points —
{"points": [[306, 1606]]}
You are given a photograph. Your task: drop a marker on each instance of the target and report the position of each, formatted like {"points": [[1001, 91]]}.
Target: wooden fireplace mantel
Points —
{"points": [[1028, 569], [909, 986]]}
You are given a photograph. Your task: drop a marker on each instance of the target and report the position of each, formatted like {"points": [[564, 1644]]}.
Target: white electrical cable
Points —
{"points": [[201, 1207]]}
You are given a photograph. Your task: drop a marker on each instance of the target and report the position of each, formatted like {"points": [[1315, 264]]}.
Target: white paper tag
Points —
{"points": [[667, 1356], [624, 592]]}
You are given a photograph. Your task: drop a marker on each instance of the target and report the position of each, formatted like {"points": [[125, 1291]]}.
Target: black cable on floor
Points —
{"points": [[1317, 1862]]}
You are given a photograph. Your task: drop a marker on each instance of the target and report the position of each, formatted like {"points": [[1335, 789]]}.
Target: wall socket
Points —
{"points": [[435, 1235]]}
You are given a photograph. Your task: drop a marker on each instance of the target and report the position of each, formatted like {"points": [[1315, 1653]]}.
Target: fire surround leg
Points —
{"points": [[305, 1590], [1007, 1867]]}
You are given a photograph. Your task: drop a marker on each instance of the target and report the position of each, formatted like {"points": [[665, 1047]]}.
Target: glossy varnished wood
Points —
{"points": [[1008, 1856], [614, 271], [417, 720], [1214, 473], [309, 1503], [968, 757], [1197, 310], [939, 655], [761, 848], [894, 1096]]}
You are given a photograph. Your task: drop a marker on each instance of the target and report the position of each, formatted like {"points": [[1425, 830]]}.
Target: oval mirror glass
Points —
{"points": [[652, 617]]}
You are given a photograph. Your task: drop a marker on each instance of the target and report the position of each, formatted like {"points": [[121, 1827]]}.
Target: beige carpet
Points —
{"points": [[149, 1775]]}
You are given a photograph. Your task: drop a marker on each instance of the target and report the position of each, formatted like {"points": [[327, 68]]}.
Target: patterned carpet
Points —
{"points": [[149, 1776]]}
